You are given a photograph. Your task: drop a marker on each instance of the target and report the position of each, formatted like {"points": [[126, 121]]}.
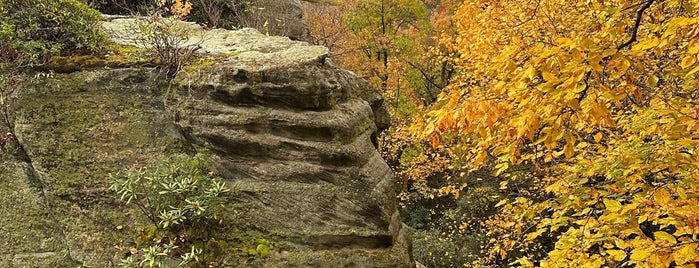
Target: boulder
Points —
{"points": [[292, 134]]}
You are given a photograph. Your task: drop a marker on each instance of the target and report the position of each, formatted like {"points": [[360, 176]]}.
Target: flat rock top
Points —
{"points": [[249, 49]]}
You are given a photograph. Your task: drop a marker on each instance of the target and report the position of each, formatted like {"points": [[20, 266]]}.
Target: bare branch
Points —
{"points": [[639, 17]]}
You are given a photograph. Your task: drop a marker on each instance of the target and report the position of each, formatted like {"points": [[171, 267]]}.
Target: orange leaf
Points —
{"points": [[435, 141]]}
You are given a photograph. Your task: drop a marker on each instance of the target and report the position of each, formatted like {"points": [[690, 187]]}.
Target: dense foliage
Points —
{"points": [[33, 30], [586, 111]]}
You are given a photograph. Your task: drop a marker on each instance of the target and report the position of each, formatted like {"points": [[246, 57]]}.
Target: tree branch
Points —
{"points": [[639, 17]]}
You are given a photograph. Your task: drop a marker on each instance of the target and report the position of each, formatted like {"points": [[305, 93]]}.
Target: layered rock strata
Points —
{"points": [[293, 135]]}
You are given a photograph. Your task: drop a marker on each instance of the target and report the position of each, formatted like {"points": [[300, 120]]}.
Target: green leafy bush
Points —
{"points": [[33, 30], [448, 231], [182, 192], [183, 200]]}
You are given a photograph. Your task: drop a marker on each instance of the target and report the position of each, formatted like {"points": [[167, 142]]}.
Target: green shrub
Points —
{"points": [[33, 30], [183, 200]]}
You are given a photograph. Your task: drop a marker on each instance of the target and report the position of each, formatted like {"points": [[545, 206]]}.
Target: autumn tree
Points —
{"points": [[328, 28], [378, 24], [392, 43], [587, 113]]}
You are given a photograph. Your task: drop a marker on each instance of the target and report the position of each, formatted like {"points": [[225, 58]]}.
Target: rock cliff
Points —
{"points": [[290, 133]]}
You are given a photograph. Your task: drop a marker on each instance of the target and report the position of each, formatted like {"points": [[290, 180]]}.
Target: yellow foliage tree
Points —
{"points": [[587, 110]]}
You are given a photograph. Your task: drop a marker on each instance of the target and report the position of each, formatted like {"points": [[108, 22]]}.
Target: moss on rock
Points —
{"points": [[116, 56], [76, 129]]}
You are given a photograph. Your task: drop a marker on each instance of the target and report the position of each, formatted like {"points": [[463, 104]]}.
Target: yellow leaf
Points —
{"points": [[598, 137], [500, 168], [623, 66], [524, 262], [617, 255], [643, 218], [663, 236], [569, 148], [503, 185], [688, 61], [548, 76], [565, 42], [696, 69], [661, 197], [480, 157], [653, 81], [594, 63], [580, 88], [686, 254], [640, 254], [609, 52], [531, 72], [612, 205], [657, 103], [621, 243], [694, 47]]}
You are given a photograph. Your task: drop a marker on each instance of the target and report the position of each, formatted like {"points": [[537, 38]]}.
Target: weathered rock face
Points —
{"points": [[291, 134], [73, 130], [278, 17]]}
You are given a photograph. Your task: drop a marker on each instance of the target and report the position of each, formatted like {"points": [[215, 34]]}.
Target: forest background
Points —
{"points": [[534, 133]]}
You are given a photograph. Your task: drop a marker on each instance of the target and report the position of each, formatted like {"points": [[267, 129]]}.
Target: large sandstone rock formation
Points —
{"points": [[291, 134]]}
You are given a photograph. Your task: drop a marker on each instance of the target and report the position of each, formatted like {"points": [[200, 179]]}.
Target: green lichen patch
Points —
{"points": [[76, 129], [116, 56]]}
